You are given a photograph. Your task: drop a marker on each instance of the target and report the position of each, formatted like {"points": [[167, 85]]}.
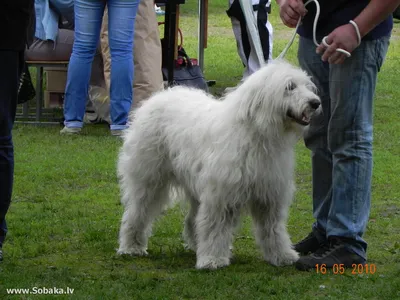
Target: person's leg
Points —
{"points": [[240, 32], [239, 44], [121, 22], [105, 49], [352, 88], [316, 137], [60, 50], [147, 54], [88, 18], [11, 63], [349, 139], [265, 32], [147, 49], [244, 45]]}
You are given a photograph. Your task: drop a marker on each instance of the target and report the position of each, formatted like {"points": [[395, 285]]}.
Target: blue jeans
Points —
{"points": [[88, 19], [11, 63], [340, 140]]}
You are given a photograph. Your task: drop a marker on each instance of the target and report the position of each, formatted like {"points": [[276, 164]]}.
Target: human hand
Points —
{"points": [[291, 11], [344, 37]]}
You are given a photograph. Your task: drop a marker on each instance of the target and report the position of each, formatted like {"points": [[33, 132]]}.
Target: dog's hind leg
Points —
{"points": [[144, 204], [189, 232], [214, 227], [271, 233]]}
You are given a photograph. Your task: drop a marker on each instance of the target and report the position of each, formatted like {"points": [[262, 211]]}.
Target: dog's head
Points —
{"points": [[278, 93], [300, 98]]}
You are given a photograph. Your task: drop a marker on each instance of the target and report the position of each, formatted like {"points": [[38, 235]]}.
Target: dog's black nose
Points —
{"points": [[315, 103]]}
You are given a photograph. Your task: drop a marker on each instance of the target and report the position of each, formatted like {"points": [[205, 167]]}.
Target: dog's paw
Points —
{"points": [[133, 251], [212, 263], [284, 258]]}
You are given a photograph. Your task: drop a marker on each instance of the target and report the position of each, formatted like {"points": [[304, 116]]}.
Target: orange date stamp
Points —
{"points": [[356, 269]]}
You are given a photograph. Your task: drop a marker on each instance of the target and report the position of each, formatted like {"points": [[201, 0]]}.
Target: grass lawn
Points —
{"points": [[65, 215]]}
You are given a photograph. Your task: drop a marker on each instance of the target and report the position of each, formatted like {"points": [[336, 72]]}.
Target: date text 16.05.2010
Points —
{"points": [[340, 269]]}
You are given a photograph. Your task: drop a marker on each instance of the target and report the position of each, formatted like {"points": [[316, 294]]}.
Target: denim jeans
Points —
{"points": [[340, 140], [11, 63], [88, 19]]}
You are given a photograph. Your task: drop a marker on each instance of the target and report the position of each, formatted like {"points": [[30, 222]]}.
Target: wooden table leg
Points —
{"points": [[39, 93], [170, 33], [203, 25]]}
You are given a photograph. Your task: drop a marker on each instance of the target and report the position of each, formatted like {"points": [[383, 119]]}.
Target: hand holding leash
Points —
{"points": [[336, 47], [291, 11], [339, 44]]}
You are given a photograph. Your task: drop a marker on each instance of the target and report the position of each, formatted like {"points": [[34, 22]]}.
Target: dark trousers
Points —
{"points": [[11, 63]]}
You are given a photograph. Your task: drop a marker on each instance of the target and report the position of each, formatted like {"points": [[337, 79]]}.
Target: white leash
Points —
{"points": [[252, 29], [283, 53]]}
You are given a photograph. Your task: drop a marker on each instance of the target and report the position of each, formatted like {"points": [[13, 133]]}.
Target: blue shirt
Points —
{"points": [[335, 13], [46, 21], [47, 17]]}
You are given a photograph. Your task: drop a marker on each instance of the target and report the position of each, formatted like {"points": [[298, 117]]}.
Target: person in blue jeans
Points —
{"points": [[17, 19], [88, 20], [340, 139]]}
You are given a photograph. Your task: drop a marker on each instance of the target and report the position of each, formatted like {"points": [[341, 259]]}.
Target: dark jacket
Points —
{"points": [[335, 13], [17, 24]]}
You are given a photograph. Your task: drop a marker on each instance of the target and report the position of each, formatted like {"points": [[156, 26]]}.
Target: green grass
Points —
{"points": [[65, 214]]}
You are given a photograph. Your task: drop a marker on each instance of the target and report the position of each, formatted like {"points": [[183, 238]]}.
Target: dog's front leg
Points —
{"points": [[214, 228], [271, 233]]}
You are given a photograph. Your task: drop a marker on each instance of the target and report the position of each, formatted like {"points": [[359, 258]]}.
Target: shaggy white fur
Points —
{"points": [[224, 156]]}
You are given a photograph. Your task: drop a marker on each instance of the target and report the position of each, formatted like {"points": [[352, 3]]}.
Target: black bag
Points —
{"points": [[26, 90], [396, 13], [187, 72]]}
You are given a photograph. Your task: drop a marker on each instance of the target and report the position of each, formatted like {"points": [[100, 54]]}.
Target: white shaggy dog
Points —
{"points": [[224, 156]]}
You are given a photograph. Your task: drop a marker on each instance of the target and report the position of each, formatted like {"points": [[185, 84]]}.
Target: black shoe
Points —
{"points": [[329, 255], [1, 254], [309, 244]]}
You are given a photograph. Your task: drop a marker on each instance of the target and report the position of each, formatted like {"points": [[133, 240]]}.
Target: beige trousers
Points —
{"points": [[147, 53]]}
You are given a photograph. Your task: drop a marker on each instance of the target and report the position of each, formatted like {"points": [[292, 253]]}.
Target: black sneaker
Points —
{"points": [[334, 253], [309, 244]]}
